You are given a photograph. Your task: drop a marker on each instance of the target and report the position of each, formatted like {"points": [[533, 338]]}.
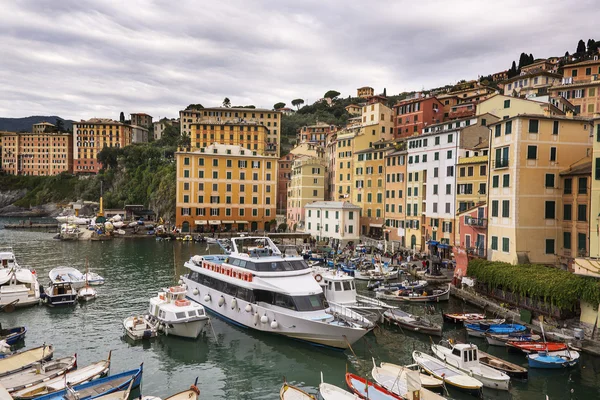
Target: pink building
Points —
{"points": [[472, 230]]}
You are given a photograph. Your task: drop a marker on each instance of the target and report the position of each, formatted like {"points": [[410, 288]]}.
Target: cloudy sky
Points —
{"points": [[95, 58]]}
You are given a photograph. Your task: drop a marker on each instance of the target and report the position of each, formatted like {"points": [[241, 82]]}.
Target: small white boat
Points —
{"points": [[191, 394], [67, 275], [405, 383], [87, 293], [176, 315], [465, 357], [332, 392], [450, 375], [120, 232], [289, 392], [93, 279], [553, 359], [118, 224], [377, 274], [427, 381], [19, 287], [139, 328], [60, 294], [38, 373]]}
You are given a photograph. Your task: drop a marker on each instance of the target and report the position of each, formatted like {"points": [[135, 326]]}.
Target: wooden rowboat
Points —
{"points": [[458, 318], [450, 375], [510, 369], [12, 335], [427, 381], [191, 394], [369, 390], [289, 392], [416, 296], [535, 347], [21, 360], [412, 322], [332, 392], [405, 384], [38, 373]]}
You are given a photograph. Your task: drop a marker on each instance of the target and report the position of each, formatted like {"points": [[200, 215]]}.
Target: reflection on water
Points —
{"points": [[242, 364]]}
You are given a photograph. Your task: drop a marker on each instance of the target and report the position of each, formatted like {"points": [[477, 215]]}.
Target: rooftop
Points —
{"points": [[578, 64], [333, 204], [542, 116], [581, 169], [234, 109], [533, 73], [144, 114], [104, 121]]}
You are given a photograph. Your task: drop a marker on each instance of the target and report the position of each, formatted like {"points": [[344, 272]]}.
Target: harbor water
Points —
{"points": [[238, 363]]}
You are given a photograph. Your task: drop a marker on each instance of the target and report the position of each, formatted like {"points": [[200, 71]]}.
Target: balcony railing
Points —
{"points": [[477, 222], [501, 163]]}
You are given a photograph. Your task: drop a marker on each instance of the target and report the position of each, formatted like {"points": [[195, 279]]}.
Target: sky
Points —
{"points": [[95, 58]]}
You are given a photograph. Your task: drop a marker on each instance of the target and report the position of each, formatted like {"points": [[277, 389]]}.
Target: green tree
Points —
{"points": [[195, 107], [297, 103], [226, 102], [279, 105], [60, 126], [108, 157], [384, 92], [122, 117], [580, 47], [331, 94]]}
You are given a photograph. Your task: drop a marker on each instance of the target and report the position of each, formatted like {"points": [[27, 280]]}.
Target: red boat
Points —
{"points": [[368, 390], [534, 347]]}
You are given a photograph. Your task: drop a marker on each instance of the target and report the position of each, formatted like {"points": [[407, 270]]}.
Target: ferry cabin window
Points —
{"points": [[474, 355], [456, 352], [338, 287], [346, 285], [180, 315], [313, 302]]}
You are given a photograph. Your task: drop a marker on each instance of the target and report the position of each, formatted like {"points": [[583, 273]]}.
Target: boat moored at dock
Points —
{"points": [[177, 315]]}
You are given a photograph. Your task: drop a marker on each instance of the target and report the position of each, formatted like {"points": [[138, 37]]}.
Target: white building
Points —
{"points": [[431, 177], [139, 134], [338, 221]]}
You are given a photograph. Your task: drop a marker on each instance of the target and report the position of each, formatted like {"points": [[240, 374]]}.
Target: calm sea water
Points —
{"points": [[239, 364]]}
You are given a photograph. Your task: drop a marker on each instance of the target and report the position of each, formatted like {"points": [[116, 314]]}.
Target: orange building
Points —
{"points": [[91, 136], [249, 135], [581, 86], [412, 115], [43, 152]]}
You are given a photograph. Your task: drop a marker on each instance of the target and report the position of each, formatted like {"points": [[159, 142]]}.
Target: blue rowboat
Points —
{"points": [[100, 387], [12, 335], [553, 360], [480, 329]]}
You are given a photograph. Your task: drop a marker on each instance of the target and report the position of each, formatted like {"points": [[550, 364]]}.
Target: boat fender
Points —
{"points": [[264, 319], [274, 325], [318, 278], [207, 297], [233, 304], [221, 301], [180, 281], [196, 292], [248, 308], [256, 318]]}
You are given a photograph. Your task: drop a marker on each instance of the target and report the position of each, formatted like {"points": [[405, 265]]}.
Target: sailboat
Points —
{"points": [[87, 292]]}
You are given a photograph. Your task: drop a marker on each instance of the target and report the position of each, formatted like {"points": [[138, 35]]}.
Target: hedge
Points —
{"points": [[557, 287]]}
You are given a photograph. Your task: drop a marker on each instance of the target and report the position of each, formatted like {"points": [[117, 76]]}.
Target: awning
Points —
{"points": [[443, 246], [241, 222], [214, 222], [200, 222], [375, 225], [432, 243]]}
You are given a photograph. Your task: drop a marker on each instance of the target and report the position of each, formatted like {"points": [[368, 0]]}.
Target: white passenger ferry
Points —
{"points": [[258, 287]]}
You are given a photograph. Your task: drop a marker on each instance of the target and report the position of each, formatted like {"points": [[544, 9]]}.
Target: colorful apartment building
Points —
{"points": [[594, 232], [503, 106], [284, 172], [42, 152], [225, 188], [315, 134], [249, 135], [270, 119], [307, 185], [395, 182], [365, 91], [581, 86], [349, 140], [415, 195], [378, 118], [353, 109], [540, 65], [141, 119], [527, 154], [412, 115], [336, 222], [531, 84], [91, 136], [472, 176], [471, 230]]}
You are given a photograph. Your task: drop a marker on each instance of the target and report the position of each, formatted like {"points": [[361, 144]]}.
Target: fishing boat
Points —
{"points": [[411, 322], [256, 287], [19, 287], [99, 387], [465, 358], [140, 327], [72, 378], [177, 315], [459, 318], [8, 259], [67, 275], [60, 294], [368, 390], [450, 375], [406, 383], [427, 381], [38, 373], [536, 347], [513, 370], [191, 394], [332, 392], [480, 329], [495, 339], [404, 285], [553, 360], [488, 321], [416, 296], [381, 274], [12, 335], [123, 395], [289, 392], [21, 360]]}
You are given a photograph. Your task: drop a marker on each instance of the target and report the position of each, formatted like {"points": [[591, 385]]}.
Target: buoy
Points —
{"points": [[264, 319], [207, 297], [248, 308], [221, 301], [233, 304], [274, 325], [196, 292], [256, 318]]}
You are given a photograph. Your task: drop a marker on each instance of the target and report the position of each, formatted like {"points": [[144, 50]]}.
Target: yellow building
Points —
{"points": [[270, 119], [378, 118], [595, 194], [353, 109], [307, 184], [225, 187], [471, 181], [527, 153], [249, 135], [365, 91], [507, 106], [534, 83], [91, 136]]}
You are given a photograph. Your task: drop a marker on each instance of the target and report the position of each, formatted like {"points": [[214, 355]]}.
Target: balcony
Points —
{"points": [[501, 163], [476, 222]]}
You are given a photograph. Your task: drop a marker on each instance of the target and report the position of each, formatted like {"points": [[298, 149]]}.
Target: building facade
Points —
{"points": [[91, 136], [284, 173], [249, 135], [412, 115], [316, 134], [225, 188], [141, 119], [334, 221], [307, 185], [160, 126], [581, 86], [139, 134], [471, 230], [395, 182], [378, 118], [365, 91], [532, 84]]}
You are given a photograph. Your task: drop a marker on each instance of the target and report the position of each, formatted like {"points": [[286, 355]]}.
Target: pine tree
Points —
{"points": [[580, 47], [122, 117], [384, 92]]}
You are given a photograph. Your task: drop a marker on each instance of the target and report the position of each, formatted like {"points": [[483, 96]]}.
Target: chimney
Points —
{"points": [[569, 114]]}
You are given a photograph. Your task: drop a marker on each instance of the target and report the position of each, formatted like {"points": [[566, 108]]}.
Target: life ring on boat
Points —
{"points": [[182, 303], [318, 278]]}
